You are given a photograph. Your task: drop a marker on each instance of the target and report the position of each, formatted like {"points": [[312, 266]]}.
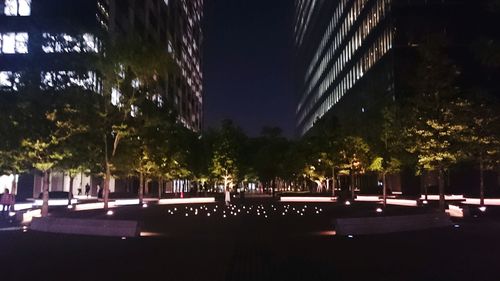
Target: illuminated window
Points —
{"points": [[14, 43], [17, 8], [64, 43], [115, 97], [5, 79], [65, 79], [9, 80]]}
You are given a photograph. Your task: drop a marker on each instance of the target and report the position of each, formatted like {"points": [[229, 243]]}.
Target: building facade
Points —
{"points": [[352, 55], [53, 34], [54, 37]]}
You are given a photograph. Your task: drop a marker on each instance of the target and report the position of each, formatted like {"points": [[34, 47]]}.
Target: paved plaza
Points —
{"points": [[257, 240]]}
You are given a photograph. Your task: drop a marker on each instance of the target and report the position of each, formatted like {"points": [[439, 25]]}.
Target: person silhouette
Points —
{"points": [[7, 200], [87, 190]]}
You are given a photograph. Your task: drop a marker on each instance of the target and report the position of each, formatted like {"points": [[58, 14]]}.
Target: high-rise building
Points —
{"points": [[54, 36], [175, 25], [352, 55]]}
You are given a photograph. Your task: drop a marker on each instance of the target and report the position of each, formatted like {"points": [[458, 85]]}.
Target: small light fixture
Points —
{"points": [[109, 213], [424, 202], [70, 207], [144, 205], [350, 236], [379, 210], [482, 209], [347, 203]]}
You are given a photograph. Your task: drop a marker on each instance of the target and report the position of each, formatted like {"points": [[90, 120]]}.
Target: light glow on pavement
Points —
{"points": [[487, 201], [186, 201], [308, 199]]}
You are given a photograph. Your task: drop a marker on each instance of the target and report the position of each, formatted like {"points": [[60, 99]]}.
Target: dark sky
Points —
{"points": [[247, 63]]}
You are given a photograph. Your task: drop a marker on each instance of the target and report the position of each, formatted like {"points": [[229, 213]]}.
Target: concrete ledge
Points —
{"points": [[196, 200], [379, 225], [113, 228], [307, 199]]}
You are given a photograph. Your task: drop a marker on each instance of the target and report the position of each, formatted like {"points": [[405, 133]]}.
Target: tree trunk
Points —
{"points": [[14, 185], [105, 194], [352, 186], [146, 187], [425, 185], [384, 188], [273, 187], [107, 176], [160, 187], [45, 194], [141, 188], [333, 182], [441, 189], [226, 182], [70, 193], [481, 182]]}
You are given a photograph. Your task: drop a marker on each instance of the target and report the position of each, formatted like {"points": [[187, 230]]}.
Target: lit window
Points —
{"points": [[64, 43], [10, 80], [5, 80], [64, 79], [134, 111], [14, 43], [9, 43], [17, 8], [22, 43], [115, 97]]}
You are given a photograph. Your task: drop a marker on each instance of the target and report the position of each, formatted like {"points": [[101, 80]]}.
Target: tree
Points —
{"points": [[130, 68], [432, 131], [226, 149], [11, 161], [355, 153], [481, 138], [269, 153], [82, 147], [51, 123], [389, 152]]}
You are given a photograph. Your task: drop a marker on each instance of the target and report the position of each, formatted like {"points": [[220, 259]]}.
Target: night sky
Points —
{"points": [[247, 62]]}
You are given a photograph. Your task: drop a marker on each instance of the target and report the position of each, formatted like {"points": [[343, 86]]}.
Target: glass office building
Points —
{"points": [[352, 55], [53, 35]]}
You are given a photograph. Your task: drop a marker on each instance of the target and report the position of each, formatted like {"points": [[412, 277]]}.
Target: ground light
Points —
{"points": [[482, 209], [144, 205], [70, 207], [424, 202], [379, 210], [347, 203], [110, 213]]}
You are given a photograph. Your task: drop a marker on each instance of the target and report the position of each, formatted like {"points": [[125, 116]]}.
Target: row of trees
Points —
{"points": [[123, 128], [126, 129]]}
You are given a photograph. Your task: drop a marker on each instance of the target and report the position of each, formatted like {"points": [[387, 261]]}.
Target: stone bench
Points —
{"points": [[389, 224], [113, 228]]}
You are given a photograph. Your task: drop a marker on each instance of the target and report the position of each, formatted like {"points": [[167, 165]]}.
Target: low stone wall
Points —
{"points": [[389, 224], [114, 228]]}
